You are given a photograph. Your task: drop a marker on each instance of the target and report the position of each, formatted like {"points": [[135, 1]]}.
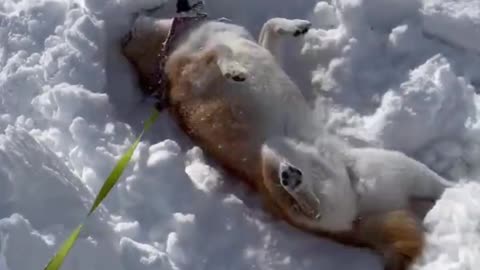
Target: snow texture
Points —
{"points": [[399, 74]]}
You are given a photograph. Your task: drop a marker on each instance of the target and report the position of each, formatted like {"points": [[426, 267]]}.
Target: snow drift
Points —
{"points": [[400, 74]]}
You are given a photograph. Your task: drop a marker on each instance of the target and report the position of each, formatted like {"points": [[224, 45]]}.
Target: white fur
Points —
{"points": [[390, 180]]}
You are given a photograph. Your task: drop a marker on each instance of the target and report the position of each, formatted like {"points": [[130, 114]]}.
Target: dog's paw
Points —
{"points": [[236, 76], [294, 27], [234, 72], [301, 27]]}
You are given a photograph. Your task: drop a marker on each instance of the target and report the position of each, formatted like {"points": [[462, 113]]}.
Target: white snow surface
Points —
{"points": [[402, 74]]}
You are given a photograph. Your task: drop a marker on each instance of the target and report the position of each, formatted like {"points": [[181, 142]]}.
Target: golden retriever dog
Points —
{"points": [[228, 93]]}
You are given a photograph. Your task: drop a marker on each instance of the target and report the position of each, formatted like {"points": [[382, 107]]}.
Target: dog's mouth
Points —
{"points": [[308, 204], [126, 39]]}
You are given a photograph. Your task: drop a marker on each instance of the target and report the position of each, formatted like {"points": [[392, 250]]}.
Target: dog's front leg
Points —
{"points": [[277, 28]]}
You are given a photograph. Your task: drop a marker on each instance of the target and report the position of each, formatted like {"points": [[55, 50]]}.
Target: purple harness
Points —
{"points": [[180, 26]]}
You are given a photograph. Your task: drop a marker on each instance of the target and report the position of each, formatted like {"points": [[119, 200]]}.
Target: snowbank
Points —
{"points": [[404, 76], [402, 73], [455, 22], [433, 103]]}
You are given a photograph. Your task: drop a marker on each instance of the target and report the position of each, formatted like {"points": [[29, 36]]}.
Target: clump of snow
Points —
{"points": [[458, 211], [401, 73], [433, 103], [150, 256], [404, 75], [456, 22], [325, 16]]}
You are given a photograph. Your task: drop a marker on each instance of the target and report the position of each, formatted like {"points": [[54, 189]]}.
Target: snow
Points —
{"points": [[456, 22], [433, 102], [402, 75]]}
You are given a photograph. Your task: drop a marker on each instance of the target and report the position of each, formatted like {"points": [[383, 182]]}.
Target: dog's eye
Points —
{"points": [[284, 175]]}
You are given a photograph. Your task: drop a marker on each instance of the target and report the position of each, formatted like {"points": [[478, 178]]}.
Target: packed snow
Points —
{"points": [[399, 74]]}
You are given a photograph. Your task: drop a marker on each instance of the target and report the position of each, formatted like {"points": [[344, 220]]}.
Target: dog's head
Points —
{"points": [[142, 45], [287, 175], [303, 178]]}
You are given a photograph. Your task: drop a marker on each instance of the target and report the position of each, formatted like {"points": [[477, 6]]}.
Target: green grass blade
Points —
{"points": [[114, 175], [153, 117], [112, 179], [57, 261]]}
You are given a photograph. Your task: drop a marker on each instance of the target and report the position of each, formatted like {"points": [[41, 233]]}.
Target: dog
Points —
{"points": [[229, 94]]}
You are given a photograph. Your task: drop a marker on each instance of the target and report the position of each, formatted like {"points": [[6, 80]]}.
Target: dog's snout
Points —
{"points": [[296, 183]]}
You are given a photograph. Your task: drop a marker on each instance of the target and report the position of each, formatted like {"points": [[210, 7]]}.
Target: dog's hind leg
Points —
{"points": [[277, 28], [208, 66], [229, 67], [221, 61]]}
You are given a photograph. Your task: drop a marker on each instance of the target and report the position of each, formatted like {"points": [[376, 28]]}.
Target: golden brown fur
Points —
{"points": [[213, 122], [228, 134]]}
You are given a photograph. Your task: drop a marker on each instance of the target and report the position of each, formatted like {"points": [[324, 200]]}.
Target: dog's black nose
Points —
{"points": [[290, 177], [183, 6], [238, 78], [296, 171]]}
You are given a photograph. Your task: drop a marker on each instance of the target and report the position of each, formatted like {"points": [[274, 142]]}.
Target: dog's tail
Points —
{"points": [[397, 235]]}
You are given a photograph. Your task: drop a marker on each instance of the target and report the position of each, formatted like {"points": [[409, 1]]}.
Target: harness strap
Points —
{"points": [[187, 17]]}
